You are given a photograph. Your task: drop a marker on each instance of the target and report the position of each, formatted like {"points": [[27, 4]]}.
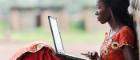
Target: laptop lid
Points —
{"points": [[56, 34]]}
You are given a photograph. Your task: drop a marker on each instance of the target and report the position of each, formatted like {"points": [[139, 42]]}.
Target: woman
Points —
{"points": [[120, 42]]}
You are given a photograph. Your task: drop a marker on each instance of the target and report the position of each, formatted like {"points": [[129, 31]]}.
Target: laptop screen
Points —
{"points": [[56, 34]]}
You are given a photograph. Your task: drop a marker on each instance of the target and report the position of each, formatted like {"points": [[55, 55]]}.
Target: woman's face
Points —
{"points": [[103, 13]]}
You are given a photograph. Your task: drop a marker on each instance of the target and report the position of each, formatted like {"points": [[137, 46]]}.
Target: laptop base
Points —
{"points": [[68, 57]]}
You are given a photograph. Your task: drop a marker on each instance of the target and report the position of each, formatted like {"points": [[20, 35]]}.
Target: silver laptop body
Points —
{"points": [[58, 40]]}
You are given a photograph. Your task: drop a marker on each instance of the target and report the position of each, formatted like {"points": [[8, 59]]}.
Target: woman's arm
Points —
{"points": [[128, 53]]}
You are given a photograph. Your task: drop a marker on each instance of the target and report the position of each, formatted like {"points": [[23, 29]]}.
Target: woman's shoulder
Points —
{"points": [[126, 30], [125, 33], [125, 36]]}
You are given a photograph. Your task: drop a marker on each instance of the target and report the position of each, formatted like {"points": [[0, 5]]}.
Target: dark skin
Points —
{"points": [[105, 15]]}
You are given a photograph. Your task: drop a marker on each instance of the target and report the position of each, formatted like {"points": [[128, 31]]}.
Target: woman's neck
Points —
{"points": [[114, 25]]}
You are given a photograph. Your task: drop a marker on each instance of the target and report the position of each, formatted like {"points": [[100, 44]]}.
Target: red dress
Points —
{"points": [[111, 48]]}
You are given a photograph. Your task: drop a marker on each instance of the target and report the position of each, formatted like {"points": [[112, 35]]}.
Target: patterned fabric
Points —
{"points": [[35, 51], [111, 48]]}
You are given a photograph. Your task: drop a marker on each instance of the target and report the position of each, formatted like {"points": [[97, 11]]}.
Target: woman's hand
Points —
{"points": [[91, 55]]}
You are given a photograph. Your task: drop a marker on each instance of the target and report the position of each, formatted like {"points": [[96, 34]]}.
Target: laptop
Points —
{"points": [[58, 40]]}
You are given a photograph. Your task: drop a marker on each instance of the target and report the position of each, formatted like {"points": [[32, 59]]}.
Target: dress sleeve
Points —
{"points": [[126, 37]]}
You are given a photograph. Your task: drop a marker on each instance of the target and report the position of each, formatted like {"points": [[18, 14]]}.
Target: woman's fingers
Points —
{"points": [[89, 54]]}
